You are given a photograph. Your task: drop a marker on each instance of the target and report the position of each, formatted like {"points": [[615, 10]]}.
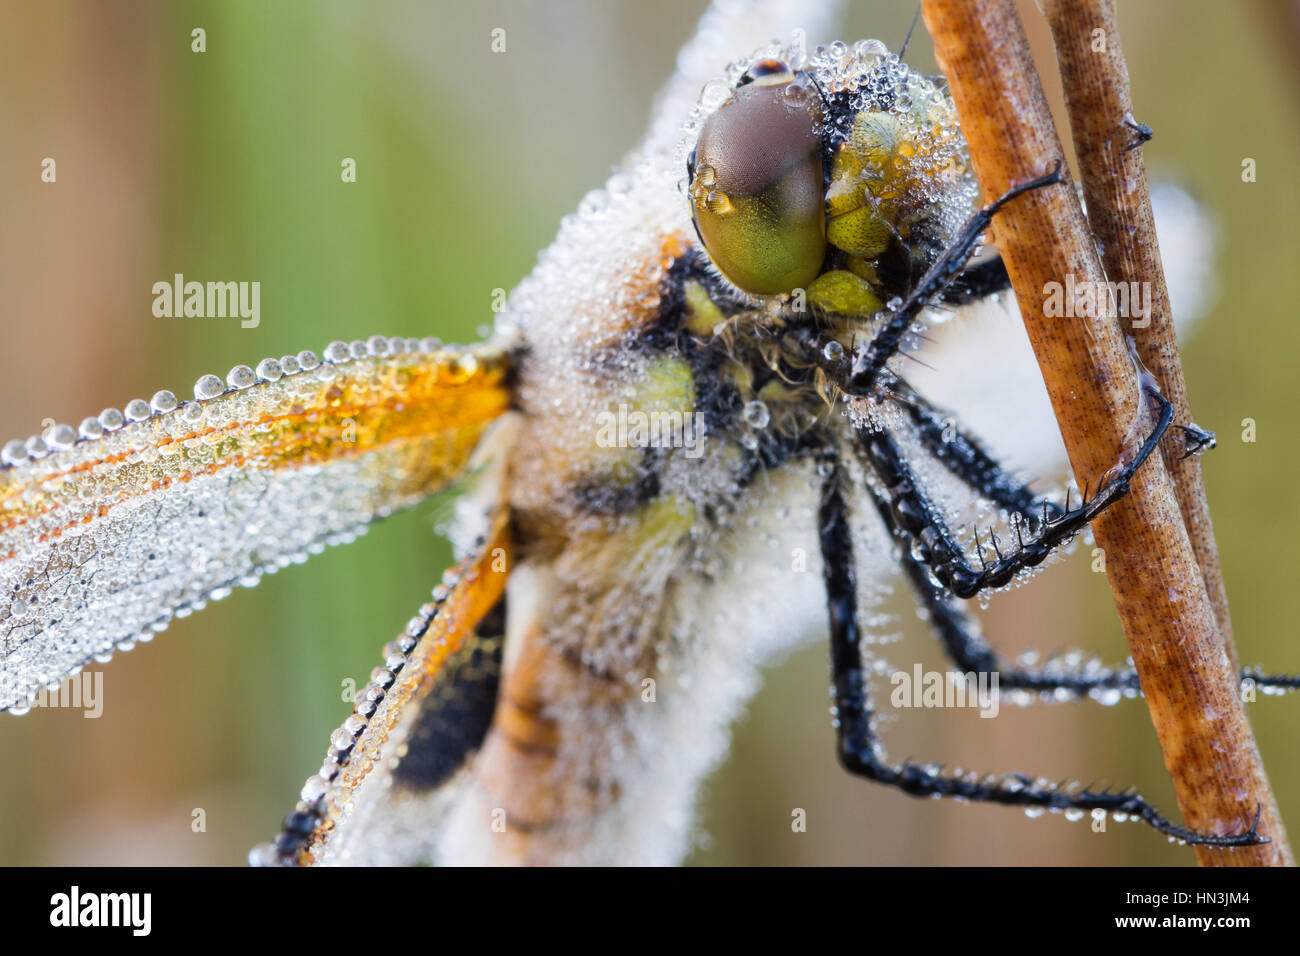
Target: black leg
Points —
{"points": [[965, 457], [928, 530], [977, 282], [1142, 131], [870, 361], [963, 454], [1196, 440], [860, 750], [965, 645]]}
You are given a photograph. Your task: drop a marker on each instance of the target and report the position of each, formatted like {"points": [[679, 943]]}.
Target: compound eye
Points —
{"points": [[756, 182]]}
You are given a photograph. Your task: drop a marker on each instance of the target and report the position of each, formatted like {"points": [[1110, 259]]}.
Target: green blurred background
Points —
{"points": [[226, 165]]}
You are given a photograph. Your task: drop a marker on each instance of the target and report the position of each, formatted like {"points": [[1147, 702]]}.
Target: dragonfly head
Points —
{"points": [[842, 179]]}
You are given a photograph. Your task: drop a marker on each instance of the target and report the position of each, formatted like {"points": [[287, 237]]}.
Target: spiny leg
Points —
{"points": [[860, 750], [960, 636], [870, 361], [978, 282], [1196, 440], [927, 529], [964, 456]]}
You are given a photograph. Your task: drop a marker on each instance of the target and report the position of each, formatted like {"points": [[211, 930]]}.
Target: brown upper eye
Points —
{"points": [[756, 182]]}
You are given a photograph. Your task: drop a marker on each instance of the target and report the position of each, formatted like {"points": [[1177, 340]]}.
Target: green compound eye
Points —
{"points": [[756, 183]]}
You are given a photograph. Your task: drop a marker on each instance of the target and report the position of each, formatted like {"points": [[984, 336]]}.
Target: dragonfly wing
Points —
{"points": [[412, 729], [107, 535]]}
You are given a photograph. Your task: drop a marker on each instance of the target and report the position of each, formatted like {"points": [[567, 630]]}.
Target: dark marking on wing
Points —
{"points": [[455, 716]]}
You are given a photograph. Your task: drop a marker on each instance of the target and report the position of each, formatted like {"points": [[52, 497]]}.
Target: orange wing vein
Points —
{"points": [[109, 531], [361, 750]]}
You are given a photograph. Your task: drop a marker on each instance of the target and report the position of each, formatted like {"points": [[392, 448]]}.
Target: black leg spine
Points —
{"points": [[859, 749]]}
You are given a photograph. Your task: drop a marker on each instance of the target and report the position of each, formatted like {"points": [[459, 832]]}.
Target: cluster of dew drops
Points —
{"points": [[874, 80]]}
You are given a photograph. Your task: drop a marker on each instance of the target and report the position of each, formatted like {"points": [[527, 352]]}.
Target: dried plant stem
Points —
{"points": [[1168, 619], [1099, 101]]}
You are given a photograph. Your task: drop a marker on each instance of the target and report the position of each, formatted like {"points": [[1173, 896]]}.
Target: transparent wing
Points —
{"points": [[347, 807], [108, 532]]}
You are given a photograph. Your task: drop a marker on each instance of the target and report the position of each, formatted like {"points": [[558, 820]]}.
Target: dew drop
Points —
{"points": [[463, 367], [354, 725], [314, 789], [263, 855], [61, 437], [14, 453], [111, 419], [163, 401], [241, 376], [269, 370], [1106, 696], [796, 94], [714, 94], [209, 386]]}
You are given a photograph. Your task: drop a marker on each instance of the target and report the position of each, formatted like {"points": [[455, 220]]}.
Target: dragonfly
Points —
{"points": [[693, 441]]}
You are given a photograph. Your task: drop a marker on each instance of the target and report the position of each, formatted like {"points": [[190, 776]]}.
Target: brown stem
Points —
{"points": [[1098, 98], [1190, 688]]}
